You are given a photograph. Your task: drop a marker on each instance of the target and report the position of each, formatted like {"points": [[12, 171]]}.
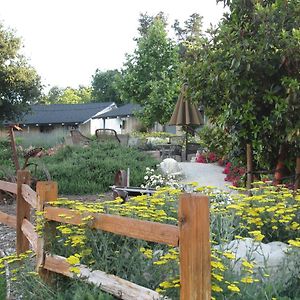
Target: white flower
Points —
{"points": [[146, 177]]}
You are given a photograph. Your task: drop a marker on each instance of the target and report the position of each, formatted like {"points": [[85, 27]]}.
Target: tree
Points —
{"points": [[68, 95], [247, 74], [19, 83], [53, 95], [189, 36], [150, 74], [104, 86]]}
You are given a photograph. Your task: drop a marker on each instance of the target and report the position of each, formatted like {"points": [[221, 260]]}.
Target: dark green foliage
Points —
{"points": [[246, 74], [87, 170], [215, 139], [7, 169], [104, 86], [19, 82], [5, 153]]}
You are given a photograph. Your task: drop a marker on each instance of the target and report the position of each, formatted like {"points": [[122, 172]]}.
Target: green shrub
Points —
{"points": [[214, 139], [5, 153], [87, 170], [2, 287]]}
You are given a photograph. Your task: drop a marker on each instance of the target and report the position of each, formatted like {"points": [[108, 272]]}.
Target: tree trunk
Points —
{"points": [[280, 167]]}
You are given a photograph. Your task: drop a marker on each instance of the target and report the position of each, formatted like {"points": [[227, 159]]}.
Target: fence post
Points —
{"points": [[46, 191], [22, 211], [194, 247]]}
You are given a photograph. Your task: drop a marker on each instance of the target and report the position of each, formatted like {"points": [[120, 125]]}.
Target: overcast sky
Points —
{"points": [[67, 40]]}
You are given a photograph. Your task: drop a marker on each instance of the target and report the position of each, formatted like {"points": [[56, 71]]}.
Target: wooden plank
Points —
{"points": [[120, 288], [23, 211], [194, 247], [29, 195], [29, 232], [139, 229], [8, 220], [8, 186]]}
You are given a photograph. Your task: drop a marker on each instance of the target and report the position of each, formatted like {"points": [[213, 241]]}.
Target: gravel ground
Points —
{"points": [[204, 174], [7, 234]]}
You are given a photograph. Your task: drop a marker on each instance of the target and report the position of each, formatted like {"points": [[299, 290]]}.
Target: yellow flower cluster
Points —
{"points": [[270, 213]]}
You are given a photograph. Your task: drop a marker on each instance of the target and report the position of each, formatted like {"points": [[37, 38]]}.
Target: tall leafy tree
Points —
{"points": [[104, 86], [247, 74], [189, 36], [19, 83], [68, 95], [150, 74]]}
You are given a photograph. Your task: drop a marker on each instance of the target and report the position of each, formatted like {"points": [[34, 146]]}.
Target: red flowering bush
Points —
{"points": [[234, 174], [206, 157]]}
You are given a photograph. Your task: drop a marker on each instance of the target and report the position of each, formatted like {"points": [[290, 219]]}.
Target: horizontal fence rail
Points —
{"points": [[29, 195], [8, 220], [139, 229], [29, 232], [192, 237], [8, 187], [114, 285]]}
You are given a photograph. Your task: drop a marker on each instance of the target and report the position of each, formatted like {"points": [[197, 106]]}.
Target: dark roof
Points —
{"points": [[63, 113], [122, 111]]}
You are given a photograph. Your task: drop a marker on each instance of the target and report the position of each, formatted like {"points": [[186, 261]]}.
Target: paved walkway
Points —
{"points": [[204, 174]]}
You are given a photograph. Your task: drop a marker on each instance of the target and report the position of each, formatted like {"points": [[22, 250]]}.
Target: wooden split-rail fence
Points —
{"points": [[191, 236]]}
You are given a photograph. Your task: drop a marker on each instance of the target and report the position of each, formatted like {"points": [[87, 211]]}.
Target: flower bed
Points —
{"points": [[270, 214]]}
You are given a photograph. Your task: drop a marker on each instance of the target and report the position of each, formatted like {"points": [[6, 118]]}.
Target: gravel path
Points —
{"points": [[204, 174]]}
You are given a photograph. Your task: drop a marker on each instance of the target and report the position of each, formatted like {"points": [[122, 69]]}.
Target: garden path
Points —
{"points": [[204, 174]]}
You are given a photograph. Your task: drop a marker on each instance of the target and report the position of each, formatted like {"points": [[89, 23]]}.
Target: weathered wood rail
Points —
{"points": [[191, 236]]}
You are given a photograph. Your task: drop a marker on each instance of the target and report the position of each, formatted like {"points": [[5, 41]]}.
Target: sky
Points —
{"points": [[67, 40]]}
